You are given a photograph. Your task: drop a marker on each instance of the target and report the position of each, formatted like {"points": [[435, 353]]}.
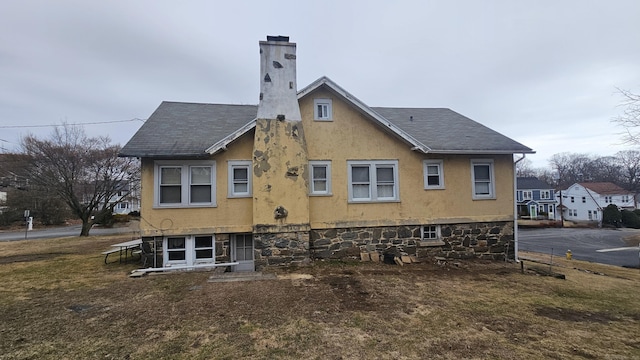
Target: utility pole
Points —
{"points": [[561, 211]]}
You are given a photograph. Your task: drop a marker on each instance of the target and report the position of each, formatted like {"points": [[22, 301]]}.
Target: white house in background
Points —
{"points": [[585, 201], [127, 199]]}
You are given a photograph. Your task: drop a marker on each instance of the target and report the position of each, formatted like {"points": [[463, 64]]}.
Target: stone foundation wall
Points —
{"points": [[493, 241], [289, 248], [475, 240]]}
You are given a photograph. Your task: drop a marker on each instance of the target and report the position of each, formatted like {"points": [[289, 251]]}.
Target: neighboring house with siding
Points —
{"points": [[585, 201], [536, 199], [318, 174]]}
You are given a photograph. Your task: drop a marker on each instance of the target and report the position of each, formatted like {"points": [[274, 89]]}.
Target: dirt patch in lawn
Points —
{"points": [[28, 258], [565, 314]]}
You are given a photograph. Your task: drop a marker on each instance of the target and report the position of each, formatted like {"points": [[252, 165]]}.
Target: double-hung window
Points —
{"points": [[527, 194], [320, 181], [545, 194], [239, 178], [322, 110], [188, 183], [433, 175], [373, 181], [482, 179]]}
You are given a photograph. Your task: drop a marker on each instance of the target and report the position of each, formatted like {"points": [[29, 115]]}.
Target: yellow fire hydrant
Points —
{"points": [[569, 255]]}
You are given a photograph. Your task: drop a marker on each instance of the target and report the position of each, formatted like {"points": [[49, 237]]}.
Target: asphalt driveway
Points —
{"points": [[606, 246]]}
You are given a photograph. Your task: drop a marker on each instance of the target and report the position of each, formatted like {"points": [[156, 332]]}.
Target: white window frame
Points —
{"points": [[527, 194], [320, 163], [189, 250], [231, 181], [430, 229], [185, 182], [491, 183], [373, 182], [545, 195], [327, 110], [425, 166]]}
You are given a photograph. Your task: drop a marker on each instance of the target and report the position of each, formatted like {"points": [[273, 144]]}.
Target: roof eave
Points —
{"points": [[222, 144], [174, 156], [481, 152]]}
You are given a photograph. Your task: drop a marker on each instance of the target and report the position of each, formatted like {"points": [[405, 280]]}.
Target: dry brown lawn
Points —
{"points": [[58, 300]]}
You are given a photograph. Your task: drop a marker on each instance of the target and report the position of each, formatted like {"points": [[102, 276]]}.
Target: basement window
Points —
{"points": [[189, 250], [430, 232], [322, 110]]}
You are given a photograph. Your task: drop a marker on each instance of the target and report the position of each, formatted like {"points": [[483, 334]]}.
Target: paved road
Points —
{"points": [[585, 244], [61, 232]]}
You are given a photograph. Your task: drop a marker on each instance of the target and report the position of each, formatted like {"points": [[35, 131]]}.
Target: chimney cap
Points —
{"points": [[278, 38]]}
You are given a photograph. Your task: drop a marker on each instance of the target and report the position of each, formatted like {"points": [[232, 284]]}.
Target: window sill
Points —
{"points": [[484, 198], [373, 201], [239, 196], [180, 206], [329, 194], [432, 242]]}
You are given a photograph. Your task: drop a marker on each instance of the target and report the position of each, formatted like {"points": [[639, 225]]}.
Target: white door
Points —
{"points": [[242, 252]]}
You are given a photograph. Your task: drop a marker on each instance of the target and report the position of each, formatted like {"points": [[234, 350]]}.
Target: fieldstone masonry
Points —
{"points": [[460, 241], [290, 248]]}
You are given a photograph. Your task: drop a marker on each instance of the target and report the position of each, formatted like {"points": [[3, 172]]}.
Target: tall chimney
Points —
{"points": [[278, 90], [280, 161]]}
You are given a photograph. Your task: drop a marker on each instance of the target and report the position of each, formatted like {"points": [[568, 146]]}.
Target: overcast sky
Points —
{"points": [[544, 73]]}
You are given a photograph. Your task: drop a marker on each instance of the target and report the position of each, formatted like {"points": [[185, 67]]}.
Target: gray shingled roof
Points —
{"points": [[446, 131], [531, 183], [187, 129]]}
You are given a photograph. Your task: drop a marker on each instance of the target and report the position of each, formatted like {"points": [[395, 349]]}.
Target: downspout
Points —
{"points": [[515, 209]]}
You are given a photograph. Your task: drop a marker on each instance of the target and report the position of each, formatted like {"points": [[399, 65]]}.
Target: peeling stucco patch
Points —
{"points": [[292, 172], [260, 163]]}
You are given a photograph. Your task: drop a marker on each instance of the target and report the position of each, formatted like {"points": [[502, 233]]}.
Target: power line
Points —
{"points": [[75, 124]]}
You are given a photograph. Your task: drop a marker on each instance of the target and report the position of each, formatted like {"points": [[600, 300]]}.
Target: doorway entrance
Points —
{"points": [[242, 252]]}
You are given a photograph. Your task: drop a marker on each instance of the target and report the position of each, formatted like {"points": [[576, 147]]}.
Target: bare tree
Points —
{"points": [[571, 168], [86, 173], [629, 167], [524, 168], [603, 169], [630, 117]]}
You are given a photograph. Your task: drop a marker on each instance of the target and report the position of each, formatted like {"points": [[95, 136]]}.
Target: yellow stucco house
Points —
{"points": [[318, 174]]}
